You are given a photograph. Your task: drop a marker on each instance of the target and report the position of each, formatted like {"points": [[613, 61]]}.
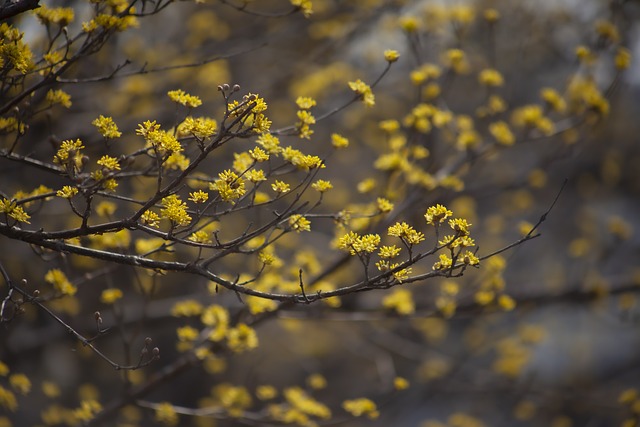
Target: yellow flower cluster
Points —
{"points": [[490, 77], [109, 163], [242, 338], [437, 214], [162, 141], [407, 233], [14, 211], [13, 50], [201, 127], [339, 141], [456, 60], [58, 97], [361, 406], [107, 127], [304, 5], [181, 97], [299, 223], [230, 186], [109, 296], [175, 210], [62, 16], [67, 192], [251, 109], [400, 301], [300, 160], [322, 186], [60, 282], [364, 91], [151, 218], [502, 133], [270, 143], [532, 117], [359, 245]]}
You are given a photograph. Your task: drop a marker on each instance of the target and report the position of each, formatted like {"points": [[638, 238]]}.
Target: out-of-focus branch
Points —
{"points": [[12, 8]]}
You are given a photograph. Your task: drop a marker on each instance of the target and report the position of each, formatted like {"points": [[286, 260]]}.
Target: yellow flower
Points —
{"points": [[166, 414], [175, 210], [20, 383], [60, 282], [339, 141], [305, 6], [107, 127], [491, 15], [384, 205], [266, 392], [361, 406], [181, 97], [490, 77], [409, 24], [299, 223], [59, 97], [502, 134], [553, 99], [198, 196], [437, 214], [622, 59], [364, 90], [151, 218], [67, 192], [109, 296], [305, 103], [242, 338], [110, 163], [401, 301], [400, 383], [406, 232], [321, 185], [230, 186], [280, 187], [187, 308], [391, 55]]}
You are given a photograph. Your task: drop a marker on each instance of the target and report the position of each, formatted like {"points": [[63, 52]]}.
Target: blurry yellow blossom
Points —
{"points": [[166, 414], [622, 59], [304, 5], [363, 89], [401, 301], [60, 282], [490, 77], [400, 383], [242, 338], [58, 97], [266, 392], [391, 55], [87, 410], [109, 296], [339, 141], [361, 406], [502, 134], [20, 383]]}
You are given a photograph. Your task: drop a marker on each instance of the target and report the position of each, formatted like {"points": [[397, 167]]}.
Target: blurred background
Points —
{"points": [[561, 357]]}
